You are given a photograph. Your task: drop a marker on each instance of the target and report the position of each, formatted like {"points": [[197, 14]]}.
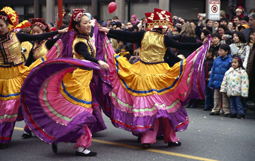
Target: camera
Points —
{"points": [[202, 15], [228, 36]]}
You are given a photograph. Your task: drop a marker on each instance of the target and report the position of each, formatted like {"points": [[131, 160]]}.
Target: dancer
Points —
{"points": [[150, 94], [65, 112], [12, 75]]}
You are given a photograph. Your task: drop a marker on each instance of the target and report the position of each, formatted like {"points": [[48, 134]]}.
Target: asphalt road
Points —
{"points": [[207, 138]]}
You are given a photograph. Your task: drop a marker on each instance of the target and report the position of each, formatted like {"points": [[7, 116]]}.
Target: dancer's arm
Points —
{"points": [[82, 49], [50, 43], [27, 37], [132, 37], [169, 42]]}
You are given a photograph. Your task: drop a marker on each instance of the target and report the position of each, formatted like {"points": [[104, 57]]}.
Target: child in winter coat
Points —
{"points": [[236, 84], [220, 65]]}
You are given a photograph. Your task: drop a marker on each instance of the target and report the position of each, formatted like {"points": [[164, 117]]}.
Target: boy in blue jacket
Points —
{"points": [[220, 65]]}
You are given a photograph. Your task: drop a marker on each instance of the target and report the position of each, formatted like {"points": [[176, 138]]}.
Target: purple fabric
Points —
{"points": [[35, 117], [67, 39], [6, 130]]}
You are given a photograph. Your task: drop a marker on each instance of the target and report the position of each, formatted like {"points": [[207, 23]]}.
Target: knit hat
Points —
{"points": [[223, 19], [240, 8], [246, 18]]}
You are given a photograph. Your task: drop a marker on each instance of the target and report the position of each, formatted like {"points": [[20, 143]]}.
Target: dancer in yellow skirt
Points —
{"points": [[149, 95], [12, 74]]}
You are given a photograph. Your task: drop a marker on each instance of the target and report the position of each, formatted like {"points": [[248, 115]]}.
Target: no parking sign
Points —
{"points": [[213, 10]]}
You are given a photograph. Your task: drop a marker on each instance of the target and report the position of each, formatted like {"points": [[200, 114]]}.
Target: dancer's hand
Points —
{"points": [[63, 30], [103, 65], [205, 40], [103, 29]]}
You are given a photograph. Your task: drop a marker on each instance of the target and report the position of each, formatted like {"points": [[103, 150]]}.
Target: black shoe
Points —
{"points": [[245, 110], [232, 116], [188, 106], [240, 116], [193, 106], [212, 113], [138, 139], [160, 138], [90, 154], [3, 146], [146, 146], [207, 109], [174, 143], [227, 115], [26, 135], [54, 147]]}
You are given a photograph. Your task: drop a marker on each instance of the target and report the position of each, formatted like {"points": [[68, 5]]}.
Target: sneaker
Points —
{"points": [[213, 113], [86, 153], [232, 116], [240, 116], [174, 143], [227, 115]]}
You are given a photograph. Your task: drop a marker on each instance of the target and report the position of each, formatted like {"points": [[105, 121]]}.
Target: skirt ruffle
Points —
{"points": [[142, 93], [57, 101]]}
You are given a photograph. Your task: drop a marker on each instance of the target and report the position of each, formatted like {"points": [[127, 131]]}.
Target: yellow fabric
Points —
{"points": [[11, 80], [152, 47], [40, 50], [77, 85], [28, 46], [124, 53], [90, 46], [12, 48], [145, 77]]}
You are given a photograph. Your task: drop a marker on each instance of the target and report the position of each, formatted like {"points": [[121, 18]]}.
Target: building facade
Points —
{"points": [[188, 9]]}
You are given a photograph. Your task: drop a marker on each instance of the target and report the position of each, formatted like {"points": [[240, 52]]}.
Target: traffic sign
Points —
{"points": [[213, 9]]}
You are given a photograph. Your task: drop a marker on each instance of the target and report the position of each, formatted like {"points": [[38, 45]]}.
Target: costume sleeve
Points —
{"points": [[132, 37], [176, 37], [244, 84], [169, 42], [27, 37], [82, 49], [30, 58], [50, 43], [210, 84], [224, 84], [172, 56]]}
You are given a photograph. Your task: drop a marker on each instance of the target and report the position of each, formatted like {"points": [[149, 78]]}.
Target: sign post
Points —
{"points": [[213, 11]]}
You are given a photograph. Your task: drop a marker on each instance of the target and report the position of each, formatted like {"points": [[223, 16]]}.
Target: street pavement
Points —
{"points": [[207, 138]]}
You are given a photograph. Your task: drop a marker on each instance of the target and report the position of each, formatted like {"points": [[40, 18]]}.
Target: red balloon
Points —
{"points": [[112, 7]]}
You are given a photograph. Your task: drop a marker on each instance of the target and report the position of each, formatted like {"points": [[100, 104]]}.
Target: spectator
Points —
{"points": [[240, 48], [242, 27], [66, 17], [246, 32], [215, 43], [235, 83], [237, 20], [208, 92], [108, 22], [251, 66], [252, 10], [231, 26], [222, 14], [134, 20], [233, 4], [224, 21], [245, 20], [187, 35], [222, 29], [221, 64]]}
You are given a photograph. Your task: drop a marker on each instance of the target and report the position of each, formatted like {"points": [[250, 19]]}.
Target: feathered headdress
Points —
{"points": [[40, 22], [159, 19], [76, 16], [13, 17], [23, 24]]}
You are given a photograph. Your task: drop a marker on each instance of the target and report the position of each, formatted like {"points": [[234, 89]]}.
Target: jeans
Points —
{"points": [[208, 98], [236, 105], [243, 100]]}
